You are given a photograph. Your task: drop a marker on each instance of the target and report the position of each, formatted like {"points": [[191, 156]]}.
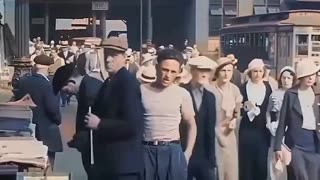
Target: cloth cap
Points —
{"points": [[148, 74], [202, 62], [115, 43], [255, 63], [306, 68], [43, 60], [232, 58]]}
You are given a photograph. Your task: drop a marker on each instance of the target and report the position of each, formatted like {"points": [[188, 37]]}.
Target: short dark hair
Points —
{"points": [[170, 54], [294, 79]]}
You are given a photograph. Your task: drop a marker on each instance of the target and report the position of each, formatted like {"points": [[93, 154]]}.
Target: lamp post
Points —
{"points": [[222, 13], [141, 27]]}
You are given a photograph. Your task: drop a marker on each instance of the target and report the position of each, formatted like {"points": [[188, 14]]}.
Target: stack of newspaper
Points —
{"points": [[23, 150], [17, 141]]}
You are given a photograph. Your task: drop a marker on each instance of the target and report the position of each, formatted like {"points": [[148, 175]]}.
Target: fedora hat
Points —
{"points": [[148, 57], [148, 74], [115, 43], [232, 58], [202, 62], [306, 68]]}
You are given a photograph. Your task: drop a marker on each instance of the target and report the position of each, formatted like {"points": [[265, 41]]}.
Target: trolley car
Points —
{"points": [[280, 39]]}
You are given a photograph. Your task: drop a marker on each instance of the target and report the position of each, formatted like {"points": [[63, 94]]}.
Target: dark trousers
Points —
{"points": [[52, 157], [253, 155], [129, 176], [200, 170], [65, 98], [86, 161], [304, 165], [165, 162]]}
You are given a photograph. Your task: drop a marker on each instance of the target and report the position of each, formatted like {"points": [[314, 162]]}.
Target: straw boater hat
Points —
{"points": [[202, 62], [222, 62], [148, 74], [232, 58], [115, 43], [306, 68]]}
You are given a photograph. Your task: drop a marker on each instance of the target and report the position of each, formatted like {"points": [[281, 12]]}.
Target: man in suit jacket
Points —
{"points": [[202, 162], [87, 93], [117, 119], [46, 115]]}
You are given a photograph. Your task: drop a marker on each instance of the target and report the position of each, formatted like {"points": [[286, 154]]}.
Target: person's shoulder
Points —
{"points": [[179, 90]]}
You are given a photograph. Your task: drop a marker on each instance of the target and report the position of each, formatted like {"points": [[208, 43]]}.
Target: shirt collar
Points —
{"points": [[43, 76]]}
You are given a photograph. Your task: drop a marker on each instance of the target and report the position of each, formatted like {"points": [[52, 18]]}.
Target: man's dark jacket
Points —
{"points": [[46, 115], [204, 148], [118, 141]]}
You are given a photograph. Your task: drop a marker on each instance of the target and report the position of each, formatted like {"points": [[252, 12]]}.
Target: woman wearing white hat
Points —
{"points": [[286, 81], [299, 125], [254, 137], [229, 100]]}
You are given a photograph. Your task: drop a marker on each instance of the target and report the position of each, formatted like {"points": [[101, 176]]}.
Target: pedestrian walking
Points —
{"points": [[117, 119], [202, 162], [166, 104], [299, 125], [286, 80], [228, 109], [254, 137]]}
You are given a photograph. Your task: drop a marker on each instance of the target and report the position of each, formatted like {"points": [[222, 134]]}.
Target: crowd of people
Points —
{"points": [[178, 115]]}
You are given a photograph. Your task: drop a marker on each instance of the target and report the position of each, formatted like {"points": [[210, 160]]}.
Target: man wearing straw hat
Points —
{"points": [[202, 162], [117, 119]]}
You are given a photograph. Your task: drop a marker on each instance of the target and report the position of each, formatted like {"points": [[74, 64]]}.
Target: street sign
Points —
{"points": [[100, 5]]}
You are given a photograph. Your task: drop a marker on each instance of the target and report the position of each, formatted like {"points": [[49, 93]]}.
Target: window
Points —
{"points": [[273, 9], [260, 10], [259, 2], [230, 10], [216, 11], [273, 2], [302, 45], [315, 45]]}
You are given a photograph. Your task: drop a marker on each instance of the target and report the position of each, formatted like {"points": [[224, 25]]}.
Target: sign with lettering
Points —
{"points": [[100, 5]]}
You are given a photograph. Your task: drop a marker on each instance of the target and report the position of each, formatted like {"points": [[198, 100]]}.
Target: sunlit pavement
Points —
{"points": [[69, 160]]}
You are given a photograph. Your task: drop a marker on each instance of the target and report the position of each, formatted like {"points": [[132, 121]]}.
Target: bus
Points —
{"points": [[280, 39]]}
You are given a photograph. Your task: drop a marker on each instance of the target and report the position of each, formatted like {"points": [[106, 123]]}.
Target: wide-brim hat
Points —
{"points": [[43, 60], [148, 74], [115, 43], [232, 58], [148, 57], [202, 62], [306, 68]]}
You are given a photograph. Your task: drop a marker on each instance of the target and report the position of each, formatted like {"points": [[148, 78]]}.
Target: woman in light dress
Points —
{"points": [[286, 80], [228, 100]]}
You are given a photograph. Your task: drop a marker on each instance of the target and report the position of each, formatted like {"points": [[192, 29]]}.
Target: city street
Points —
{"points": [[69, 160]]}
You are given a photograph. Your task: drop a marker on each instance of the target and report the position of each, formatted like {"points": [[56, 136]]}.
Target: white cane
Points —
{"points": [[91, 143]]}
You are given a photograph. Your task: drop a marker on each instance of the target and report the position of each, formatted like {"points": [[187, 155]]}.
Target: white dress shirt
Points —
{"points": [[256, 94], [306, 99]]}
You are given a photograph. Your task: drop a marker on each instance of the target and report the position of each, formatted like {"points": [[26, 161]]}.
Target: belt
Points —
{"points": [[160, 143]]}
